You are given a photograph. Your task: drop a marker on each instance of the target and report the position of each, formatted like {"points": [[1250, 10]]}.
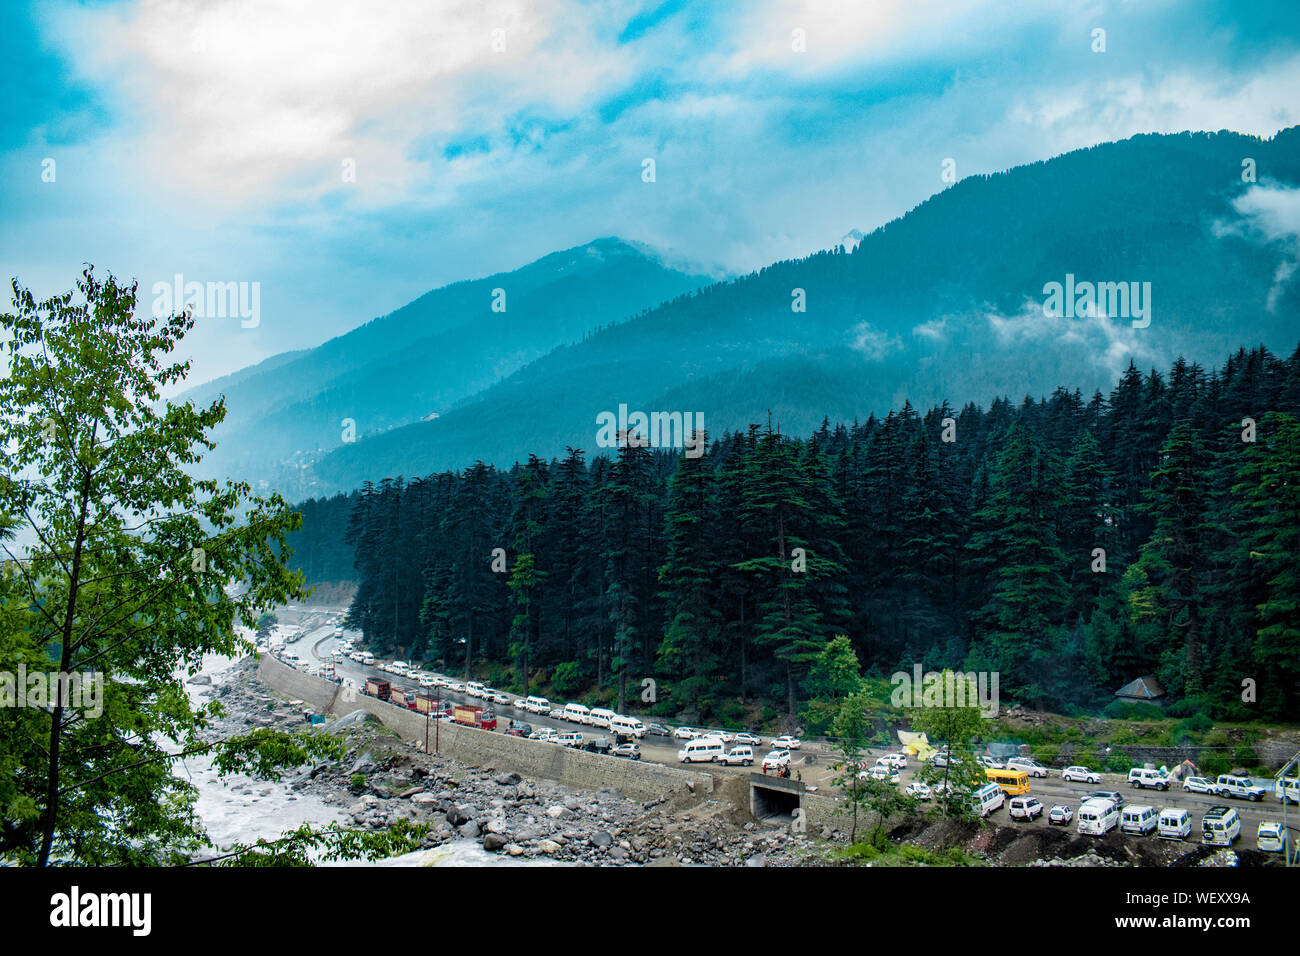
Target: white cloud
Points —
{"points": [[267, 99], [873, 344]]}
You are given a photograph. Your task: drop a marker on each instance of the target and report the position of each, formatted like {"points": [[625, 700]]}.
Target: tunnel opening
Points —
{"points": [[774, 801]]}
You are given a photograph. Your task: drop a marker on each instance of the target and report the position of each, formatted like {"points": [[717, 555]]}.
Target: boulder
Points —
{"points": [[494, 842]]}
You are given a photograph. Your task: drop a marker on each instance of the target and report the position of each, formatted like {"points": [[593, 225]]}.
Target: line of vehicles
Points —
{"points": [[1104, 810]]}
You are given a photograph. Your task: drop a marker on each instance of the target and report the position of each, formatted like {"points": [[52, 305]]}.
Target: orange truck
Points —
{"points": [[431, 707], [470, 716], [378, 688], [402, 698]]}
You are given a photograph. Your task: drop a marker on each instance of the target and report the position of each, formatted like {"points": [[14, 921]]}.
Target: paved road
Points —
{"points": [[318, 643]]}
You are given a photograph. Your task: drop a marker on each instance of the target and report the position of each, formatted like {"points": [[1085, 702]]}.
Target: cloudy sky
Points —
{"points": [[348, 155]]}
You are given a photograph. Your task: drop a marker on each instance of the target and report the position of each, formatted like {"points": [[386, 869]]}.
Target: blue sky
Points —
{"points": [[208, 137]]}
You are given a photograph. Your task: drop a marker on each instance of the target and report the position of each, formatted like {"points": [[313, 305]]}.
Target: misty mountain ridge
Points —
{"points": [[949, 302]]}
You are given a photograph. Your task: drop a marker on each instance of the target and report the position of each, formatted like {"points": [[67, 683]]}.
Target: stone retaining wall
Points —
{"points": [[484, 748]]}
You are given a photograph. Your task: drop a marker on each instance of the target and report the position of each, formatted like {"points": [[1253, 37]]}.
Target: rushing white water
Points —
{"points": [[238, 809]]}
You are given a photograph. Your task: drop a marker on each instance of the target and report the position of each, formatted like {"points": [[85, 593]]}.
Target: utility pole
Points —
{"points": [[1290, 849]]}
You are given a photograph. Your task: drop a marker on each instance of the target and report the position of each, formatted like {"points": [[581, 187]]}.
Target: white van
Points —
{"points": [[537, 705], [367, 657], [1138, 819], [987, 799], [1288, 790], [703, 750], [1220, 826], [1098, 817], [475, 689], [578, 713], [600, 717], [627, 726], [1174, 823]]}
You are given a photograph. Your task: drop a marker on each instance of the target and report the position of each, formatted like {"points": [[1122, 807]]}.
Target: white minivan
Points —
{"points": [[1175, 823], [988, 798], [627, 726], [1098, 817], [703, 750], [578, 713], [1138, 819], [537, 705], [600, 717], [475, 689]]}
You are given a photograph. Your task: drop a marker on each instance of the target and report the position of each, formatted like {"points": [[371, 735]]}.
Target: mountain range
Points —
{"points": [[947, 303]]}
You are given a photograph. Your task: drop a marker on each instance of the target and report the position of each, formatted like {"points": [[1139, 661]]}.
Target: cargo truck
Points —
{"points": [[378, 688], [469, 716]]}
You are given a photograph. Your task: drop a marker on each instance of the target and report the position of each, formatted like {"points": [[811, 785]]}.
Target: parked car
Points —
{"points": [[776, 760], [570, 740], [741, 755], [992, 763], [1198, 785], [629, 750], [547, 734], [895, 760], [1029, 765], [556, 713], [919, 789], [725, 736], [1114, 796], [1143, 777], [1243, 788], [1220, 826], [1080, 775], [882, 772], [517, 728], [1139, 819], [500, 698], [1025, 808], [750, 740], [685, 733], [786, 742], [1174, 823], [657, 730], [1270, 837], [1060, 815]]}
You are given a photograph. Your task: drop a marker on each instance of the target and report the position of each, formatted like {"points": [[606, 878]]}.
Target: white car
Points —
{"points": [[919, 789], [685, 733], [896, 760], [500, 698], [776, 760], [881, 772], [750, 740], [1060, 814], [570, 740], [1025, 808], [1198, 785], [786, 742], [427, 681], [725, 736], [1080, 775], [1270, 837], [990, 762]]}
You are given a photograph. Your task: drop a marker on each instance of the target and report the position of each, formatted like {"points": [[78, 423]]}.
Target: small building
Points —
{"points": [[1144, 690]]}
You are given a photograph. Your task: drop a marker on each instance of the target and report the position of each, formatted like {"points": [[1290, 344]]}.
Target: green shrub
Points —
{"points": [[358, 782]]}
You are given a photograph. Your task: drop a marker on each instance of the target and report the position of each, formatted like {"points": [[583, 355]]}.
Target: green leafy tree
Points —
{"points": [[133, 571], [952, 729]]}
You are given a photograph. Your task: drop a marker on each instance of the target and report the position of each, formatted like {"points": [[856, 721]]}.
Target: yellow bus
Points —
{"points": [[1012, 782]]}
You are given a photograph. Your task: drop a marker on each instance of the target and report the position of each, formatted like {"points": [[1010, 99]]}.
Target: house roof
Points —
{"points": [[1144, 688]]}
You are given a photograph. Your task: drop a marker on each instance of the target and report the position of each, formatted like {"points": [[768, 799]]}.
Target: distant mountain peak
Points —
{"points": [[851, 239]]}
